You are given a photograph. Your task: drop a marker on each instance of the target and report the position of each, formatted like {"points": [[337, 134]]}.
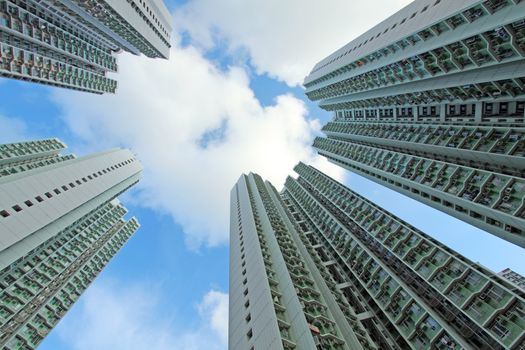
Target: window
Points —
{"points": [[72, 185], [48, 195], [65, 188], [248, 318], [500, 330], [39, 199], [249, 334], [56, 190], [4, 213], [28, 203], [496, 294], [245, 281], [247, 304], [84, 179], [245, 292], [78, 182], [17, 208]]}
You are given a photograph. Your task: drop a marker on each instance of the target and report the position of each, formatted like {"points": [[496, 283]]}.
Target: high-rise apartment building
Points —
{"points": [[60, 224], [320, 267], [72, 43], [513, 277], [279, 299], [431, 103]]}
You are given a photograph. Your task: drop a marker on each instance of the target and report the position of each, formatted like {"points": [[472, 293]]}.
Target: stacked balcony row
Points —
{"points": [[407, 315], [353, 289], [505, 90], [324, 262], [324, 328], [499, 45], [279, 309], [52, 16], [75, 48], [499, 149], [498, 140], [26, 165], [41, 323], [442, 272], [486, 302], [503, 112], [60, 269], [496, 201], [30, 66], [492, 46], [32, 148], [42, 265]]}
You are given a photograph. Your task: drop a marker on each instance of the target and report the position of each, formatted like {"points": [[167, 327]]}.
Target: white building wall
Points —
{"points": [[19, 188]]}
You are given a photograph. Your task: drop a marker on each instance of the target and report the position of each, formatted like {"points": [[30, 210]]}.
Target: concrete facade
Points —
{"points": [[278, 298], [431, 103], [60, 224], [72, 43], [412, 291], [378, 282]]}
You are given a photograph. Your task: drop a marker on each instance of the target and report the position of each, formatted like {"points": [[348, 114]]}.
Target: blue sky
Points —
{"points": [[228, 101]]}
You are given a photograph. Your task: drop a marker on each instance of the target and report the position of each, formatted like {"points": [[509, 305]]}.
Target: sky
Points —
{"points": [[229, 100]]}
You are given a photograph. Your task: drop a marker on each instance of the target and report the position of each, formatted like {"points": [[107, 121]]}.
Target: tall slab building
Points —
{"points": [[60, 224], [431, 103], [279, 299], [72, 43], [320, 267]]}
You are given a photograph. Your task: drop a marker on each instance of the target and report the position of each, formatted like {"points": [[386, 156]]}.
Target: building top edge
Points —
{"points": [[417, 15]]}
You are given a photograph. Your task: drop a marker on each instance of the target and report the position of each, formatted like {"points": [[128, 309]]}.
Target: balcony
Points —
{"points": [[446, 342], [425, 332], [447, 275], [509, 325], [511, 197], [487, 303], [431, 265], [411, 316], [458, 180]]}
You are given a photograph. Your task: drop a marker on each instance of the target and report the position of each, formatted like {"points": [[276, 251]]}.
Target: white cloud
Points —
{"points": [[12, 130], [214, 309], [283, 38], [196, 128], [111, 317]]}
